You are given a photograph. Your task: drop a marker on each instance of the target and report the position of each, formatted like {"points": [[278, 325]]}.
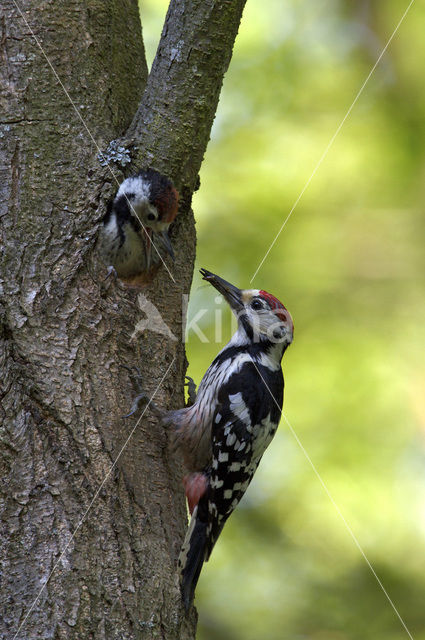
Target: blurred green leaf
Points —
{"points": [[349, 264]]}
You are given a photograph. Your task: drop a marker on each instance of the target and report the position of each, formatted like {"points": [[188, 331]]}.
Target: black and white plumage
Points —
{"points": [[134, 233], [224, 434]]}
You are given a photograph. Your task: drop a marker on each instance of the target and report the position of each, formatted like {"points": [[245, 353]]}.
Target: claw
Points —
{"points": [[142, 396], [135, 404], [110, 278], [135, 377], [191, 390], [111, 271]]}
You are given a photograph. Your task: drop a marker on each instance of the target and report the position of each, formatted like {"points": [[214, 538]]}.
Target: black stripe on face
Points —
{"points": [[243, 318]]}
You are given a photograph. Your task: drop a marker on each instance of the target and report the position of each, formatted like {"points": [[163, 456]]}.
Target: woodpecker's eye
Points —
{"points": [[151, 216], [256, 304]]}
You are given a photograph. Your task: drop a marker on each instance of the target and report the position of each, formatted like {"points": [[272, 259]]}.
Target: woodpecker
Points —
{"points": [[135, 227], [233, 419]]}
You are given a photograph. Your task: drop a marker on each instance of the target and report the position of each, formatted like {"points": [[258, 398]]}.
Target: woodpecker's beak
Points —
{"points": [[166, 243], [231, 294]]}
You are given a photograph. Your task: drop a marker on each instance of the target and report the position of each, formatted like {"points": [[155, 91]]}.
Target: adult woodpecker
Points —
{"points": [[233, 419], [135, 227]]}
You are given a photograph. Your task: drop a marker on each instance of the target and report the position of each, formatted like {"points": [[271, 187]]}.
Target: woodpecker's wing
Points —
{"points": [[244, 424], [231, 473], [225, 489]]}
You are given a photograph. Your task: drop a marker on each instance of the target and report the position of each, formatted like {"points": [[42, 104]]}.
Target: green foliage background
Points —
{"points": [[349, 265]]}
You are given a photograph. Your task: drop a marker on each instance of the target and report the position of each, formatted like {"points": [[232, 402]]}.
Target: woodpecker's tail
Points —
{"points": [[192, 557]]}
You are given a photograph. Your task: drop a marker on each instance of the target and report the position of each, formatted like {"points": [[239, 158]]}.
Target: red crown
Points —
{"points": [[279, 309]]}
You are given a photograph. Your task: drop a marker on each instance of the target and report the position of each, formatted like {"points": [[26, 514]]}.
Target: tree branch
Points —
{"points": [[174, 119]]}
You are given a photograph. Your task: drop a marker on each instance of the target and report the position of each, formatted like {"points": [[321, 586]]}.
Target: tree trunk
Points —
{"points": [[92, 511]]}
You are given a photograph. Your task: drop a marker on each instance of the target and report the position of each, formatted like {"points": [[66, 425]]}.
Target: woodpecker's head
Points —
{"points": [[150, 200], [263, 316]]}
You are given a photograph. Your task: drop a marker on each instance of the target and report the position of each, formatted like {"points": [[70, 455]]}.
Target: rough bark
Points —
{"points": [[174, 119], [64, 333]]}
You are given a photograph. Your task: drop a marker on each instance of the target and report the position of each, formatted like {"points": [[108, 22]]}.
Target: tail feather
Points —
{"points": [[192, 557]]}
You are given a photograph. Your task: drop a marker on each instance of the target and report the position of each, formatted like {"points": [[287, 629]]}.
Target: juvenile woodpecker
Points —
{"points": [[224, 434], [135, 227]]}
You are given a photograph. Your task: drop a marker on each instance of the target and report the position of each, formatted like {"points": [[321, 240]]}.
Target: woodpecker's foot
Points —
{"points": [[111, 271], [142, 397], [191, 390], [111, 278]]}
